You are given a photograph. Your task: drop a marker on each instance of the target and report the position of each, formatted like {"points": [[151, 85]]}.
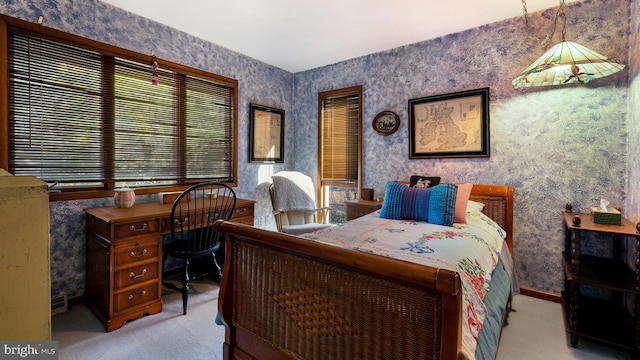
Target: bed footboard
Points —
{"points": [[284, 297]]}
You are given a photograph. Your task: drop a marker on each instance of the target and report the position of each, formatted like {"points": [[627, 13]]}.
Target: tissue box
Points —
{"points": [[610, 217]]}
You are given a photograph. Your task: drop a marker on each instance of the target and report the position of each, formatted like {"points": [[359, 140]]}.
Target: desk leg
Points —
{"points": [[573, 312], [575, 252], [574, 295], [637, 297]]}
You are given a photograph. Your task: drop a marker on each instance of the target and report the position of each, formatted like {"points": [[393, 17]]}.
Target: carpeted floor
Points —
{"points": [[167, 335], [535, 332]]}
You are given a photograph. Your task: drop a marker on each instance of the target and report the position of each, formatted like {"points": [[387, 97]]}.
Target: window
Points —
{"points": [[93, 121], [340, 148]]}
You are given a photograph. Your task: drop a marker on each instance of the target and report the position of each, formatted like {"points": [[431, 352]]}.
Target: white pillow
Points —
{"points": [[474, 205]]}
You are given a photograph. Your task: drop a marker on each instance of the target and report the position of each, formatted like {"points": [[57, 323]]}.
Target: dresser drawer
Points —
{"points": [[240, 212], [243, 214], [135, 275], [137, 296], [358, 208], [135, 251], [356, 212], [135, 228]]}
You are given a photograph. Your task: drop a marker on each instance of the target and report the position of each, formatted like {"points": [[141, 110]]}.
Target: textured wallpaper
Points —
{"points": [[258, 83], [555, 145], [633, 125]]}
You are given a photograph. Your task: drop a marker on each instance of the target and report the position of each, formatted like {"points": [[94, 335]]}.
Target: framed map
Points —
{"points": [[266, 143], [450, 125]]}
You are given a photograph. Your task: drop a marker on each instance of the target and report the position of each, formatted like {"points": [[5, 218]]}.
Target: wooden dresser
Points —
{"points": [[124, 259]]}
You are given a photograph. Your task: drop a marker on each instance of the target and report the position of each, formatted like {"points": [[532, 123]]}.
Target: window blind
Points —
{"points": [[90, 120], [209, 134], [55, 96], [339, 140]]}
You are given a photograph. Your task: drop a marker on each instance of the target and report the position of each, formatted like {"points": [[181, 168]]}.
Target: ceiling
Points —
{"points": [[298, 35]]}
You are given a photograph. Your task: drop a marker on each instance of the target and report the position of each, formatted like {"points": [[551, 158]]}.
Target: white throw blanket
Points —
{"points": [[293, 191]]}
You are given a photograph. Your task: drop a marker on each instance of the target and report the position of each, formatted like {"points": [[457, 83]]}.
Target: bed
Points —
{"points": [[291, 297]]}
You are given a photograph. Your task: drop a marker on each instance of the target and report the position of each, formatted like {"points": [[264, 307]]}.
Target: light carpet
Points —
{"points": [[167, 335], [535, 331]]}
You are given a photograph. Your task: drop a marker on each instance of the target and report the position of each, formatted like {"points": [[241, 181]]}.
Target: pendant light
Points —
{"points": [[566, 62]]}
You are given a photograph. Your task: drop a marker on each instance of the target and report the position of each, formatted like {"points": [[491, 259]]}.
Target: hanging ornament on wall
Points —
{"points": [[154, 68]]}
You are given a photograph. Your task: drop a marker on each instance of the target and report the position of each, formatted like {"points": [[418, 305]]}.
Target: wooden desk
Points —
{"points": [[124, 259]]}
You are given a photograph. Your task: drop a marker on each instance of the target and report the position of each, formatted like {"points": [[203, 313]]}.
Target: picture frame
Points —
{"points": [[450, 125], [386, 123], [266, 134]]}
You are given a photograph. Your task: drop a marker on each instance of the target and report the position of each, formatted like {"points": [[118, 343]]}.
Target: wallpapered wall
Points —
{"points": [[258, 83], [633, 124], [554, 145]]}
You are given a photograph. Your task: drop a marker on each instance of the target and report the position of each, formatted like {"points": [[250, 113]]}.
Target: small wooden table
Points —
{"points": [[124, 259], [359, 207], [601, 318]]}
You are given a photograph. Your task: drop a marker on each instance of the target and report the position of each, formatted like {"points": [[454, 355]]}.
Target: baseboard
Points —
{"points": [[76, 300], [541, 295]]}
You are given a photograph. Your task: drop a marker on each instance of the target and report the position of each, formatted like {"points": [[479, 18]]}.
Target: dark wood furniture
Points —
{"points": [[359, 207], [192, 235], [285, 297], [597, 288], [124, 259]]}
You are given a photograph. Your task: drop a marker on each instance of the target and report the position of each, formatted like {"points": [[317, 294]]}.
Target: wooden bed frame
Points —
{"points": [[285, 297]]}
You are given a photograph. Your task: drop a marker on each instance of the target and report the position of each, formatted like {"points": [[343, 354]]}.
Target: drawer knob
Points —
{"points": [[134, 276], [132, 254], [142, 293], [134, 228], [177, 221], [241, 211]]}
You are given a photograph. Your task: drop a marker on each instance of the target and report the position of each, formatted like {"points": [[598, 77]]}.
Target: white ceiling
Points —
{"points": [[298, 35]]}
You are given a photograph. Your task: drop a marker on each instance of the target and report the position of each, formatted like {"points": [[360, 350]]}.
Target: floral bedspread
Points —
{"points": [[471, 249]]}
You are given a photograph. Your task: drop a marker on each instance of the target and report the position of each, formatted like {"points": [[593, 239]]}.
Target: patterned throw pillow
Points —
{"points": [[416, 181], [435, 205]]}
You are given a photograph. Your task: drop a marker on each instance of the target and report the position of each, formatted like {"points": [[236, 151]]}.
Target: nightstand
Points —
{"points": [[359, 207], [601, 318]]}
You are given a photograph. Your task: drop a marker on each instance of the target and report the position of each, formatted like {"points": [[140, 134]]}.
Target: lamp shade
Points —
{"points": [[566, 62]]}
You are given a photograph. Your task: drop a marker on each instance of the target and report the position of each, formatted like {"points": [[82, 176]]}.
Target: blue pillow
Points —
{"points": [[442, 205], [403, 202], [435, 205]]}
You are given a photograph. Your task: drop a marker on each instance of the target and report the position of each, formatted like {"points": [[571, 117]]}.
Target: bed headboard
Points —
{"points": [[498, 205]]}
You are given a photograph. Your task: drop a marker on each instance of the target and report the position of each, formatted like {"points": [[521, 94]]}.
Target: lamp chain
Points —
{"points": [[561, 13]]}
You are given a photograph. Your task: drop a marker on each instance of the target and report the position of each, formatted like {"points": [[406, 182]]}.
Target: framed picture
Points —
{"points": [[266, 143], [450, 125], [386, 123]]}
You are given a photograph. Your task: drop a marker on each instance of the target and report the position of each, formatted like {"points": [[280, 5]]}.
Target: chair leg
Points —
{"points": [[185, 287], [218, 270]]}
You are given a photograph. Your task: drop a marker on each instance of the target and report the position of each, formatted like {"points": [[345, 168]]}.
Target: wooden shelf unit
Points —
{"points": [[603, 318]]}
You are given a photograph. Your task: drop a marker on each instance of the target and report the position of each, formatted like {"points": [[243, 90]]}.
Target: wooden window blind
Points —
{"points": [[89, 120], [340, 137]]}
